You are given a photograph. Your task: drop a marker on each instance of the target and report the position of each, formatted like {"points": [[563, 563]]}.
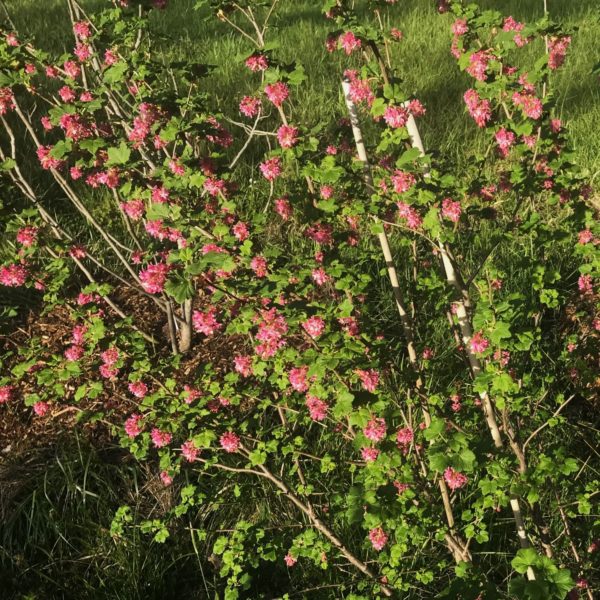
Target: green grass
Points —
{"points": [[301, 30]]}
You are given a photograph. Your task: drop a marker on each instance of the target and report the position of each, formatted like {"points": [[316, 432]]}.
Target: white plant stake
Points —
{"points": [[466, 330]]}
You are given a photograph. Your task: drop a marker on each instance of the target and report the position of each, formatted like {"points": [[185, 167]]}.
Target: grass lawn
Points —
{"points": [[301, 29]]}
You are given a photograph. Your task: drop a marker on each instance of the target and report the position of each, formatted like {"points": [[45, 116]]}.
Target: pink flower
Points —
{"points": [[7, 100], [176, 168], [360, 89], [396, 116], [478, 343], [132, 425], [378, 538], [66, 94], [189, 451], [160, 438], [72, 69], [320, 277], [287, 136], [314, 326], [166, 478], [13, 275], [350, 326], [317, 408], [585, 284], [11, 40], [454, 479], [290, 561], [153, 277], [78, 334], [259, 265], [511, 25], [369, 379], [41, 408], [460, 27], [402, 181], [271, 168], [479, 109], [82, 52], [243, 365], [257, 62], [283, 208], [138, 388], [206, 322], [349, 42], [82, 30], [530, 105], [111, 356], [277, 92], [46, 159], [75, 352], [249, 106], [297, 378], [585, 236], [478, 62], [375, 429], [451, 210], [401, 487], [557, 48], [6, 393], [110, 58], [404, 437], [240, 231], [369, 454], [134, 209], [505, 139], [230, 442], [271, 329], [27, 236], [413, 218], [321, 233]]}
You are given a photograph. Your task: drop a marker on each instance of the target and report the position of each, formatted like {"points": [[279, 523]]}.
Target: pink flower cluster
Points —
{"points": [[454, 479], [206, 321], [109, 357], [402, 181], [243, 365], [478, 343], [153, 277], [530, 104], [557, 51], [6, 393], [271, 168], [317, 408], [7, 100], [138, 388], [272, 328], [396, 116], [375, 429], [451, 210], [287, 136], [369, 379], [160, 439], [230, 442], [13, 275], [378, 538], [314, 327], [349, 42], [478, 64], [277, 93], [359, 89], [511, 25], [133, 425], [297, 378], [478, 108], [257, 62], [249, 106], [413, 218], [505, 139]]}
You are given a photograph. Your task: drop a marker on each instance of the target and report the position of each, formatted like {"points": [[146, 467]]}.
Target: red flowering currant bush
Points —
{"points": [[384, 362]]}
